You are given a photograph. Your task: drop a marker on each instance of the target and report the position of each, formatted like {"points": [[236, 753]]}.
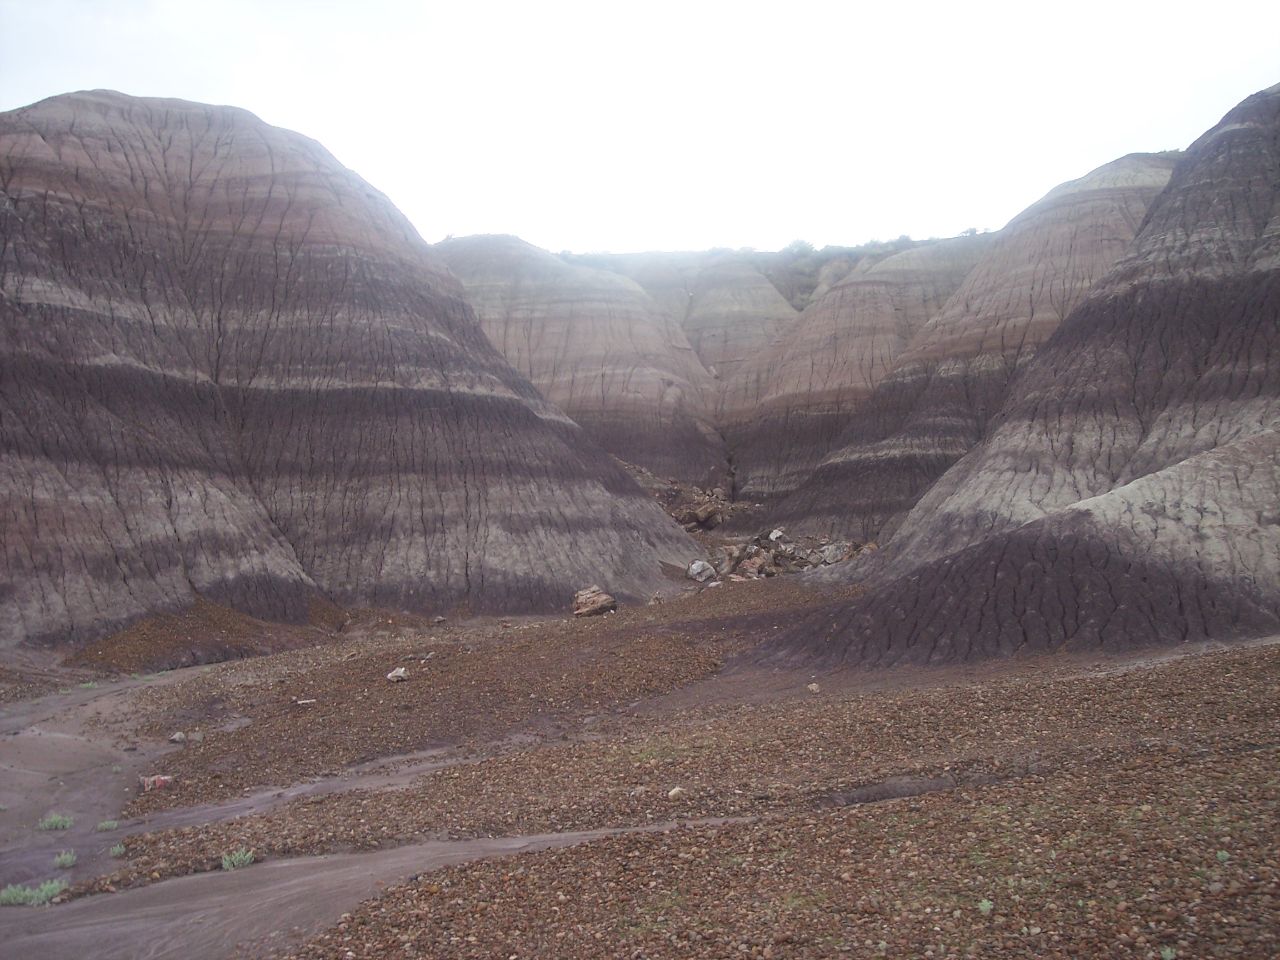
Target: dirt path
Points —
{"points": [[249, 912], [53, 759]]}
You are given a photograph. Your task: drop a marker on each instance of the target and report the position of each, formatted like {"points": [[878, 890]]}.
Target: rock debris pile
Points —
{"points": [[771, 554]]}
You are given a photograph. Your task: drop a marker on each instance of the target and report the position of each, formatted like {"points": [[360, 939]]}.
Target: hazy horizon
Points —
{"points": [[596, 128]]}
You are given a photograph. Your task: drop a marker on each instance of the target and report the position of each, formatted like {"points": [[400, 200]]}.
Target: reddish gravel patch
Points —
{"points": [[1151, 855], [16, 685], [467, 683], [205, 633], [784, 757]]}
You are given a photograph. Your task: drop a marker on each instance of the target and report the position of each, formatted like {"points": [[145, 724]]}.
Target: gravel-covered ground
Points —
{"points": [[1061, 806], [18, 685], [797, 755], [1156, 854], [306, 713]]}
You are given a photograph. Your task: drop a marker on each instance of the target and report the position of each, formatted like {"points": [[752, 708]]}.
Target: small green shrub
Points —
{"points": [[985, 907], [117, 851], [16, 895], [106, 825], [89, 685], [1223, 856], [1168, 953], [65, 860], [236, 859], [55, 821]]}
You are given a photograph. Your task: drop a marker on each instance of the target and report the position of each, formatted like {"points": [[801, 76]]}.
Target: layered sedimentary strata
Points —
{"points": [[230, 369], [728, 309], [734, 313], [596, 345], [788, 404], [953, 376], [1127, 492]]}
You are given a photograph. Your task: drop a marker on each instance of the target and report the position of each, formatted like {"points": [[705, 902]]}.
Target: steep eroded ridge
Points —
{"points": [[789, 403], [597, 346], [1126, 493], [953, 376], [230, 369]]}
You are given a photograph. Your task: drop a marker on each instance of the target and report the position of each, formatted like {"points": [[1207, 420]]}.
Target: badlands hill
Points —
{"points": [[597, 346], [1126, 491], [791, 401], [946, 383], [231, 370]]}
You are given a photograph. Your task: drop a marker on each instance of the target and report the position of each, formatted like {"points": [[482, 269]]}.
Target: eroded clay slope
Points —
{"points": [[597, 346], [734, 313], [788, 404], [954, 375], [231, 369], [726, 306], [1127, 492]]}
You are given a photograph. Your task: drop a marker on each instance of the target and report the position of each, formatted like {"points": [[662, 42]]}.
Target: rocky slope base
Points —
{"points": [[230, 369], [1126, 493]]}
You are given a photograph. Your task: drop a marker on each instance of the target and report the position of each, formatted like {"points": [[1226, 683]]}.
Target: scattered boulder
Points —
{"points": [[772, 553], [814, 688], [835, 552], [158, 781], [695, 508], [398, 674], [708, 515], [701, 571], [730, 556], [677, 793], [437, 619], [178, 737], [592, 601]]}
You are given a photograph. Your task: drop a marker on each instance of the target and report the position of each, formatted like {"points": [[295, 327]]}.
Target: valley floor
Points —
{"points": [[634, 786]]}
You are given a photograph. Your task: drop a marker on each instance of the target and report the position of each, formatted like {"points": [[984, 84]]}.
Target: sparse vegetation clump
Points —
{"points": [[106, 825], [65, 860], [16, 895], [55, 821], [237, 859], [117, 851]]}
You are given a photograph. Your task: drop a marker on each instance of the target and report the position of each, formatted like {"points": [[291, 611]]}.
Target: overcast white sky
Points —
{"points": [[654, 125]]}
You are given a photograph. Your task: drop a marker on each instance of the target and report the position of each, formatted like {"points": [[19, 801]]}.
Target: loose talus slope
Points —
{"points": [[597, 346], [953, 376], [229, 368], [1128, 491]]}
